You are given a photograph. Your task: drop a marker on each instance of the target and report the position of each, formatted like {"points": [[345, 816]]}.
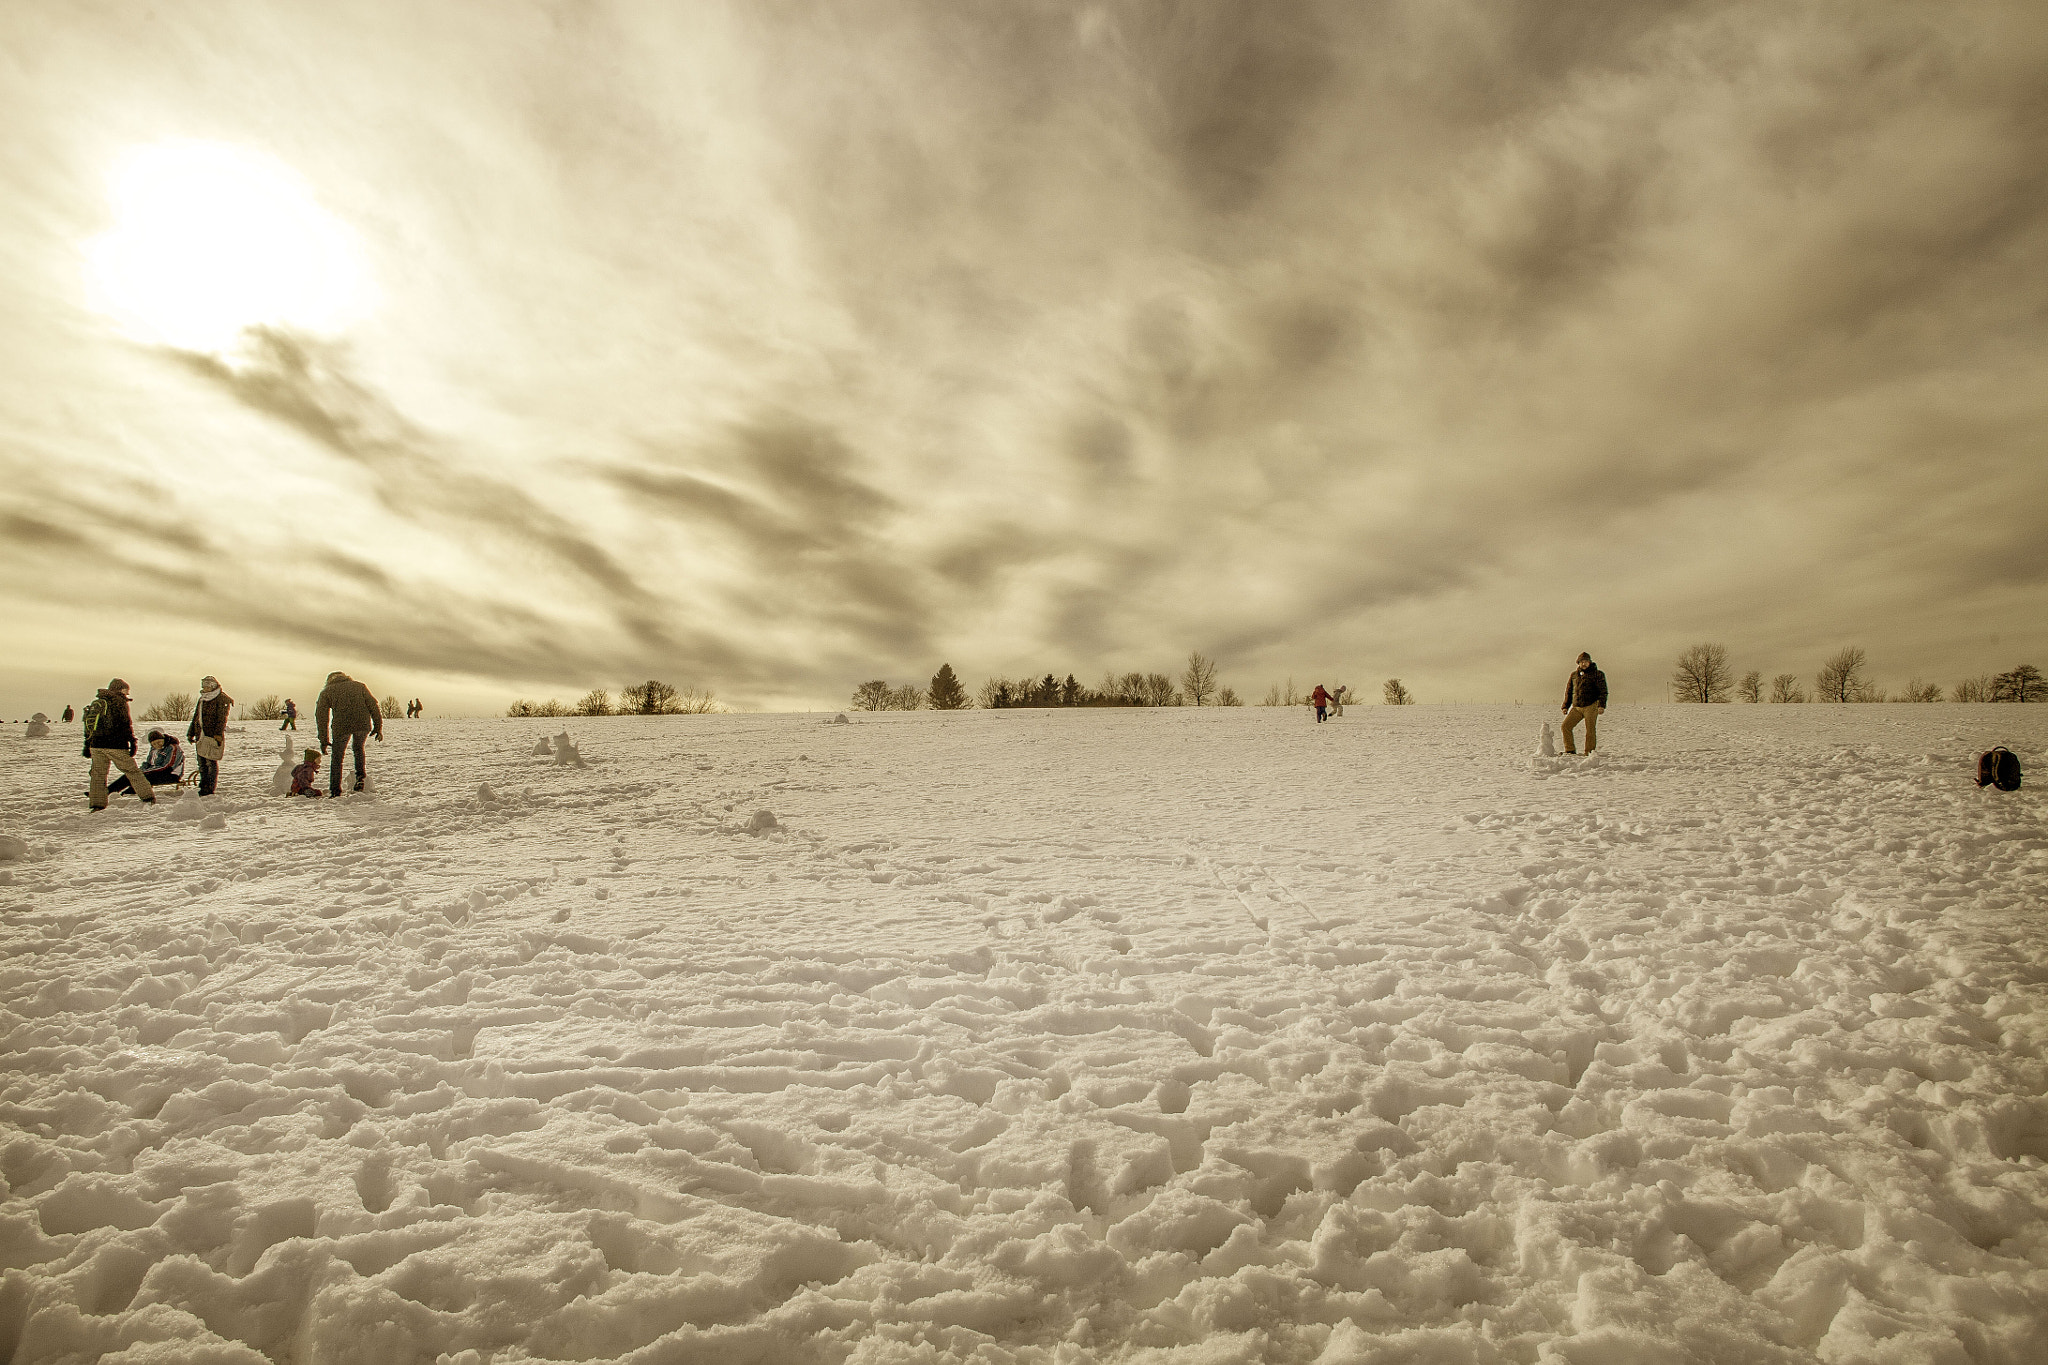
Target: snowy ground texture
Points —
{"points": [[1122, 1036]]}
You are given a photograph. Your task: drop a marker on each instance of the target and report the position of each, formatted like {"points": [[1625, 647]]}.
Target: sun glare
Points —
{"points": [[211, 240]]}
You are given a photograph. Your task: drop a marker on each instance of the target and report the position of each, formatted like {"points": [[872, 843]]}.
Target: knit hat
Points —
{"points": [[116, 685], [210, 683], [310, 755]]}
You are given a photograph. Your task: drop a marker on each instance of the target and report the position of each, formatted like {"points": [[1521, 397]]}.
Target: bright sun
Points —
{"points": [[210, 240]]}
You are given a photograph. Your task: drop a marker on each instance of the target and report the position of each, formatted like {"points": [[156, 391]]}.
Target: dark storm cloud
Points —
{"points": [[310, 388], [812, 532]]}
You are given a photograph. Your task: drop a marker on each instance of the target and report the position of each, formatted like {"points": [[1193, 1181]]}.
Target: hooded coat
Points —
{"points": [[346, 707], [114, 729], [210, 718], [1586, 687]]}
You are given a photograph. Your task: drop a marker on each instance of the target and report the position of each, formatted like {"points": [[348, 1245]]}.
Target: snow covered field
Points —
{"points": [[1137, 1035]]}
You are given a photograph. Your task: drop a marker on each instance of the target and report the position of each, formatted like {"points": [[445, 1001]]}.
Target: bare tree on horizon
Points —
{"points": [[1198, 681], [1701, 674], [1751, 688], [1841, 678]]}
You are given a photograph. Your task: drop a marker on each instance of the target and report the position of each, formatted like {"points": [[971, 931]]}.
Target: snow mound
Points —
{"points": [[38, 727], [839, 719], [185, 808], [762, 821], [13, 848], [541, 747], [217, 820], [566, 753], [485, 796], [1549, 742]]}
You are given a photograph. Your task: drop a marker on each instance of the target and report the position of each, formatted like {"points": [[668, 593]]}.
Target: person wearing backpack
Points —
{"points": [[1585, 697], [291, 715], [110, 742], [349, 710], [209, 731]]}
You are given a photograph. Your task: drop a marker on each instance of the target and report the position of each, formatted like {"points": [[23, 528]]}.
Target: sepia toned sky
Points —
{"points": [[496, 350]]}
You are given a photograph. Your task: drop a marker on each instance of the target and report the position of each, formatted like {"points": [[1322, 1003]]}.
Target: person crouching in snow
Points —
{"points": [[163, 765], [350, 711], [1585, 697], [1322, 702], [110, 739], [306, 777], [209, 731]]}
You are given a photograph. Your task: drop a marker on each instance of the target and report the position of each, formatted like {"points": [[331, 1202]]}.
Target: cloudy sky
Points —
{"points": [[492, 350]]}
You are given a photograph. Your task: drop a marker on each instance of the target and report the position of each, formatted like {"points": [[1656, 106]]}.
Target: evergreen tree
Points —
{"points": [[946, 693], [1070, 692]]}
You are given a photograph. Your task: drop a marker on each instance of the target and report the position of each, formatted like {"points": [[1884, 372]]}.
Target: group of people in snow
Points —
{"points": [[1328, 703], [346, 715]]}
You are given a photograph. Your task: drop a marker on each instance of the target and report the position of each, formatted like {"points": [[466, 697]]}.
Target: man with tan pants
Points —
{"points": [[1585, 697], [110, 742]]}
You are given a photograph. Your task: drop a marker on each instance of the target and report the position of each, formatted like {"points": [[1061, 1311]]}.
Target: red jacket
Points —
{"points": [[1319, 697]]}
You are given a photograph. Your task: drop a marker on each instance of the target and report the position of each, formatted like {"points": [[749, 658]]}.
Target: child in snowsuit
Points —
{"points": [[306, 777], [1322, 701], [291, 715], [162, 766]]}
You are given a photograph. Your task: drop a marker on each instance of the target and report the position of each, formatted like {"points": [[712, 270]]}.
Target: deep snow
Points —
{"points": [[1139, 1035]]}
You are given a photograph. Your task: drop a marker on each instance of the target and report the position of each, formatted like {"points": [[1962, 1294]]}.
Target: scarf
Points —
{"points": [[209, 696]]}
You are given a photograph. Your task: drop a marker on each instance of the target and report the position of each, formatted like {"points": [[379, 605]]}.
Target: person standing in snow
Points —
{"points": [[1585, 697], [209, 731], [163, 765], [110, 740], [1338, 698], [67, 713], [1322, 702], [291, 715], [348, 710]]}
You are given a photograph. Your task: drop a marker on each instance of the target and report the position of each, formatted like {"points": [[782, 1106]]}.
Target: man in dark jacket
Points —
{"points": [[1585, 697], [209, 731], [110, 740], [348, 711]]}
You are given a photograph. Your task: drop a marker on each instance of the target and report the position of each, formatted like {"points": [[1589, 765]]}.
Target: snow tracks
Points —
{"points": [[1155, 1036]]}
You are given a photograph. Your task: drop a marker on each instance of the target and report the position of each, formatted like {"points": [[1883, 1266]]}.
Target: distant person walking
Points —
{"points": [[1338, 698], [1322, 703], [209, 731], [348, 711], [291, 715], [110, 740], [1585, 697], [67, 714]]}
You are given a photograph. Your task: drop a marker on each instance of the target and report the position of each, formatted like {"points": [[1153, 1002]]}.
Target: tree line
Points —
{"points": [[651, 698], [1703, 674], [1197, 685]]}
